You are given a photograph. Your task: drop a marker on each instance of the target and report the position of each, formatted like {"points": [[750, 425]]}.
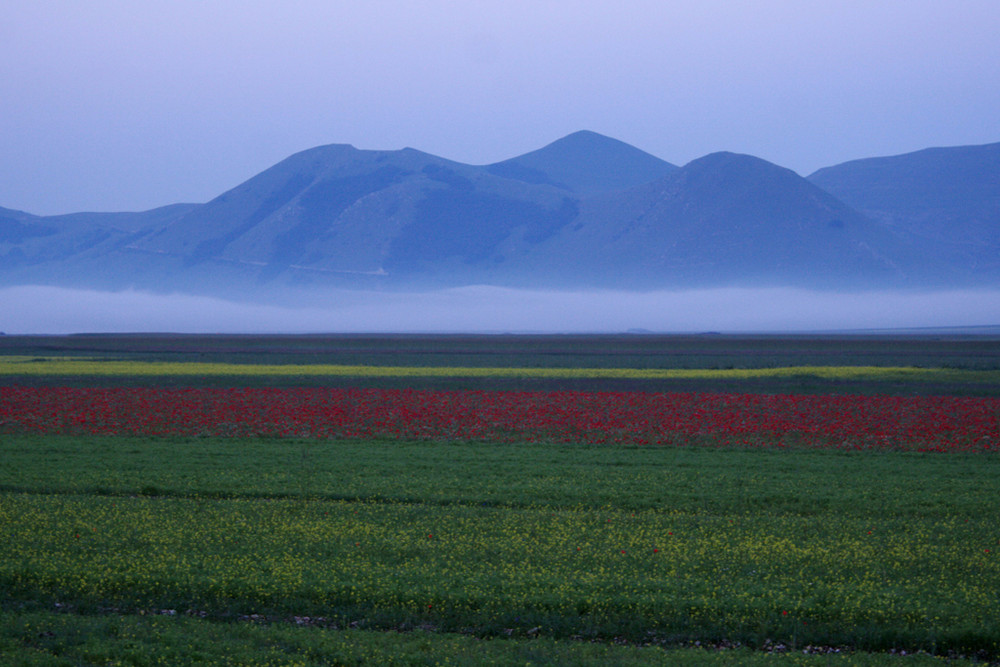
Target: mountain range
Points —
{"points": [[586, 211]]}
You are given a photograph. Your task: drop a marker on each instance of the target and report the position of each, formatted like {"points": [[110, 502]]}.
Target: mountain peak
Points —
{"points": [[326, 150], [586, 163], [727, 159], [724, 168], [587, 140]]}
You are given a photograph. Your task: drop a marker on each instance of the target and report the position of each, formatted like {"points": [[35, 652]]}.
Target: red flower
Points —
{"points": [[917, 423]]}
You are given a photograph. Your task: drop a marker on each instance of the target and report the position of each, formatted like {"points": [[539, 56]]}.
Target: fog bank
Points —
{"points": [[53, 310]]}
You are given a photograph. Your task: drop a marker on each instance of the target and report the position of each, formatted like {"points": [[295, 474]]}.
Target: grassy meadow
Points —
{"points": [[139, 549]]}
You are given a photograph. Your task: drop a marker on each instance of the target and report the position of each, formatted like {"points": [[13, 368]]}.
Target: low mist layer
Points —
{"points": [[52, 310]]}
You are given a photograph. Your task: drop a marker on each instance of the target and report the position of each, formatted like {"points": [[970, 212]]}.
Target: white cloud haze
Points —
{"points": [[52, 310]]}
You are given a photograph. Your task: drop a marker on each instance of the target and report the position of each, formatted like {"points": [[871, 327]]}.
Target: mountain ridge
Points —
{"points": [[583, 211], [723, 218]]}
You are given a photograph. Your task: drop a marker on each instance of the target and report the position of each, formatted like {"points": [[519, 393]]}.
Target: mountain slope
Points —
{"points": [[336, 212], [586, 163], [74, 249], [722, 219], [950, 197]]}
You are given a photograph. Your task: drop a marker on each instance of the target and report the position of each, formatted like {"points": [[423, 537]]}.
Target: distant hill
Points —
{"points": [[77, 249], [585, 163], [584, 211], [354, 216], [725, 219], [947, 197]]}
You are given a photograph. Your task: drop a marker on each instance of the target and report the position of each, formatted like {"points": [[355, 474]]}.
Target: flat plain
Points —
{"points": [[839, 513]]}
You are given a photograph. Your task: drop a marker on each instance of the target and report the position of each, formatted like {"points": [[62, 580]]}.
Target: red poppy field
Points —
{"points": [[940, 424]]}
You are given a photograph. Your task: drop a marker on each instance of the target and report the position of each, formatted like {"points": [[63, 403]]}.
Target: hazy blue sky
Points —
{"points": [[125, 105]]}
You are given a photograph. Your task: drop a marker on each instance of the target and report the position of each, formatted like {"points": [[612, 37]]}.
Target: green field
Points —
{"points": [[172, 550], [862, 551]]}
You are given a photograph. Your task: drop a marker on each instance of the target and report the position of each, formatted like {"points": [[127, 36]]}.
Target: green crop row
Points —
{"points": [[68, 366], [869, 485]]}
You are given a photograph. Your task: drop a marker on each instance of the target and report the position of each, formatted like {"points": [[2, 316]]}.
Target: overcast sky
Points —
{"points": [[122, 105]]}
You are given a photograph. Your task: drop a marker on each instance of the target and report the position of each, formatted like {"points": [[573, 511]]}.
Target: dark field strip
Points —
{"points": [[969, 352], [951, 356], [52, 638], [773, 385]]}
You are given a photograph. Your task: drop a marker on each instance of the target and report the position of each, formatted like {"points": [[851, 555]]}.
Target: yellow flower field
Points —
{"points": [[86, 366]]}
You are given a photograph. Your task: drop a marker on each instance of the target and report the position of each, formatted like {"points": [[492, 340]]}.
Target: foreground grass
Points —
{"points": [[868, 550], [47, 638], [661, 576]]}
